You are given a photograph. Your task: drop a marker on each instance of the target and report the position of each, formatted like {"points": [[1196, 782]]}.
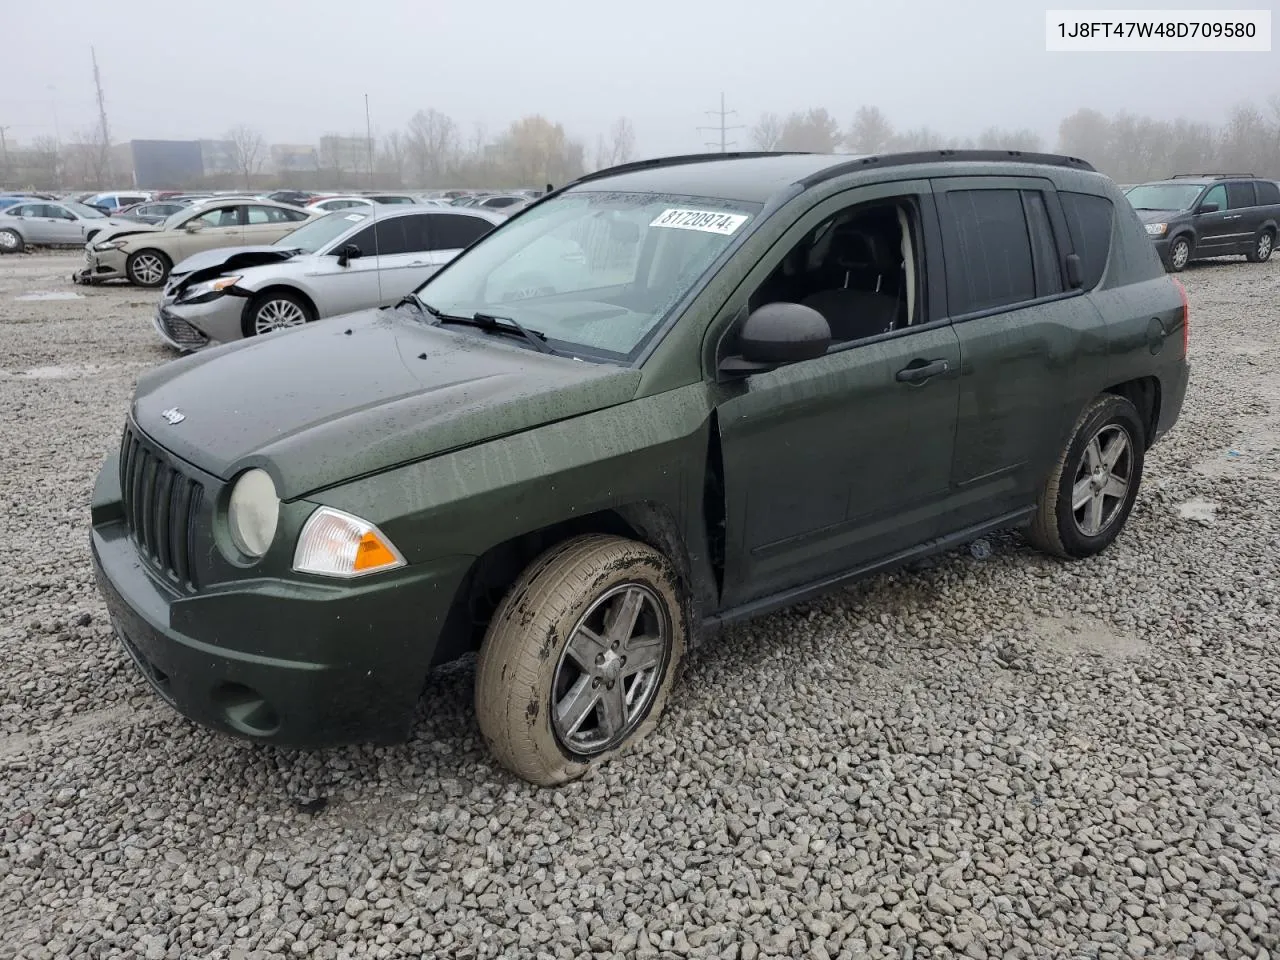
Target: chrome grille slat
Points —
{"points": [[161, 504]]}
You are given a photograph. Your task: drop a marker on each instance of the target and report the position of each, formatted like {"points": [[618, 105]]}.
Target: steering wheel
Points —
{"points": [[526, 285]]}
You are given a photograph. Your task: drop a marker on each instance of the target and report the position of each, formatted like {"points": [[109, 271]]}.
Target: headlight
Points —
{"points": [[109, 245], [336, 544], [209, 287], [1156, 229], [253, 512]]}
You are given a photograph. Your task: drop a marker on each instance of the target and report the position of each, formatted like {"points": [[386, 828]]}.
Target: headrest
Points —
{"points": [[854, 247]]}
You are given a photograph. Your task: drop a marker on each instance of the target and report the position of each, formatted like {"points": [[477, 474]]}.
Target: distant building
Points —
{"points": [[218, 156], [294, 158], [341, 154], [157, 164]]}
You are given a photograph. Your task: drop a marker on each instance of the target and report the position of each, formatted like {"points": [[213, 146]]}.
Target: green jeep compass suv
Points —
{"points": [[667, 396]]}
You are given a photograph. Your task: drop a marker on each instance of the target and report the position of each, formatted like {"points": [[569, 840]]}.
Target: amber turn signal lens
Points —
{"points": [[373, 554]]}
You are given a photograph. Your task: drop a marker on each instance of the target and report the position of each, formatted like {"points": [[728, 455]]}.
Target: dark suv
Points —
{"points": [[668, 396], [1197, 216]]}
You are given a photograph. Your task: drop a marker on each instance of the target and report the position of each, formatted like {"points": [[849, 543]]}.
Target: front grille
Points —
{"points": [[180, 331], [160, 507]]}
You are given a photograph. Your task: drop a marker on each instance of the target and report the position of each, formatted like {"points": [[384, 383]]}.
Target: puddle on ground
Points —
{"points": [[50, 295], [1198, 508], [1085, 635]]}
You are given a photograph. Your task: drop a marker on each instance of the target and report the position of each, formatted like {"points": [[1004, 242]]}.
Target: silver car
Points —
{"points": [[345, 261], [52, 223]]}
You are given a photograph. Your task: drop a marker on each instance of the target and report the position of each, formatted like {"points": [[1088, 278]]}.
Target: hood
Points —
{"points": [[210, 263], [119, 228], [1157, 216], [348, 396]]}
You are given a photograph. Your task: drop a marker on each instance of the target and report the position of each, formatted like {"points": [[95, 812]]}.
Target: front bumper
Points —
{"points": [[292, 662], [190, 326], [101, 265], [1162, 248]]}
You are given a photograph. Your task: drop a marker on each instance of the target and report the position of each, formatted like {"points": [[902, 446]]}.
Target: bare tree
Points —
{"points": [[766, 134], [88, 157], [392, 157], [430, 141], [248, 151], [45, 157], [870, 132], [618, 147]]}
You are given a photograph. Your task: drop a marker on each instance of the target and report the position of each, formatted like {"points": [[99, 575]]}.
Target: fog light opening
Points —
{"points": [[246, 710]]}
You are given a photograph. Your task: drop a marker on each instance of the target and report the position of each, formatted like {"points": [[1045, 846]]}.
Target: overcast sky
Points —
{"points": [[297, 70]]}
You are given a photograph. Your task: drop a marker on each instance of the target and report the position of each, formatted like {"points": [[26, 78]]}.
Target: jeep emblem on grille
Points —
{"points": [[173, 415]]}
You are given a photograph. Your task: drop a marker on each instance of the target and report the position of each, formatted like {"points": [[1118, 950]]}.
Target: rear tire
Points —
{"points": [[1263, 245], [555, 695], [147, 268], [1179, 254], [11, 242], [1087, 499]]}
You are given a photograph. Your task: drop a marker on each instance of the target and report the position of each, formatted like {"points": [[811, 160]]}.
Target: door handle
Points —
{"points": [[1235, 217], [919, 371]]}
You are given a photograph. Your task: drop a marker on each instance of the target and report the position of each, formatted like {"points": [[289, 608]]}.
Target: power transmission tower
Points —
{"points": [[102, 116], [722, 127]]}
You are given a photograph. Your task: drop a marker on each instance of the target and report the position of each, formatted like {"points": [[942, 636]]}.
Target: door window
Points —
{"points": [[220, 217], [27, 210], [1217, 194], [988, 250], [1240, 195], [1044, 247], [860, 268], [260, 215], [455, 231], [387, 238]]}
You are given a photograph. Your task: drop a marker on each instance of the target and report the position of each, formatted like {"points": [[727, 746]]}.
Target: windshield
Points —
{"points": [[597, 271], [312, 236], [1164, 196], [83, 212]]}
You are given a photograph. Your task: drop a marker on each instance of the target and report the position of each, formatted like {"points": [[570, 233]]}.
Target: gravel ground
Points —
{"points": [[998, 757]]}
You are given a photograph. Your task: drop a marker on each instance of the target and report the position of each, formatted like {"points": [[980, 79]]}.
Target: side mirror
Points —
{"points": [[1075, 273], [348, 253], [1208, 208], [193, 226], [775, 334]]}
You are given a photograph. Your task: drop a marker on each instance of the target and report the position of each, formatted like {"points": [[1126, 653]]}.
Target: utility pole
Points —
{"points": [[102, 116], [723, 114]]}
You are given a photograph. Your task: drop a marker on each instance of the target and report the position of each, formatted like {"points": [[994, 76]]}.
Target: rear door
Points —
{"points": [[265, 225], [221, 225], [1028, 343], [37, 226], [1244, 216]]}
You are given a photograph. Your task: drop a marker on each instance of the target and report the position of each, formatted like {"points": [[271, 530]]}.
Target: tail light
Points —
{"points": [[1186, 317]]}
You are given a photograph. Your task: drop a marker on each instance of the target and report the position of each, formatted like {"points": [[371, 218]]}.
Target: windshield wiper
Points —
{"points": [[413, 300], [488, 321]]}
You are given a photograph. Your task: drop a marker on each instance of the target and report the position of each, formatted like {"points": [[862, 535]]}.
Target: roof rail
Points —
{"points": [[1213, 176], [934, 156], [678, 161]]}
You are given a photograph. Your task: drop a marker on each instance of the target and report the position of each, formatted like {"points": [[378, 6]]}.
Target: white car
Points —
{"points": [[348, 260], [330, 204]]}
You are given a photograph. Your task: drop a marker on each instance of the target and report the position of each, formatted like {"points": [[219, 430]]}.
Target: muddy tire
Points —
{"points": [[147, 268], [580, 657], [1087, 499], [1263, 245], [11, 242]]}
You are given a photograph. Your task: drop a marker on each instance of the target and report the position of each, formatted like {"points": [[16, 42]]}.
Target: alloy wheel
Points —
{"points": [[1181, 254], [1264, 246], [8, 240], [610, 669], [148, 269], [1102, 480], [278, 315]]}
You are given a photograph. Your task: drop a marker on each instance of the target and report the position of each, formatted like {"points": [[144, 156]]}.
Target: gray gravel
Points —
{"points": [[999, 756]]}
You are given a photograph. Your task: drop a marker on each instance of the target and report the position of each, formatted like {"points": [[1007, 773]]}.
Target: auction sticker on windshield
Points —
{"points": [[704, 220]]}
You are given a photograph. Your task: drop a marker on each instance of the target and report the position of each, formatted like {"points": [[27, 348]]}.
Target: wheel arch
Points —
{"points": [[1145, 394], [494, 571]]}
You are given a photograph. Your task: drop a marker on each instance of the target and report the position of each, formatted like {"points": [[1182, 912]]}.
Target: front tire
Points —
{"points": [[147, 268], [1263, 246], [580, 657], [275, 310], [1087, 499], [1179, 254], [11, 242]]}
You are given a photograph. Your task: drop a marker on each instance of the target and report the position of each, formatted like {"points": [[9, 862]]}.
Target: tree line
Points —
{"points": [[433, 150]]}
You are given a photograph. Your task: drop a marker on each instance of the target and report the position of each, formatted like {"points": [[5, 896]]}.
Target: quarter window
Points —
{"points": [[1268, 192], [1089, 226], [988, 251]]}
